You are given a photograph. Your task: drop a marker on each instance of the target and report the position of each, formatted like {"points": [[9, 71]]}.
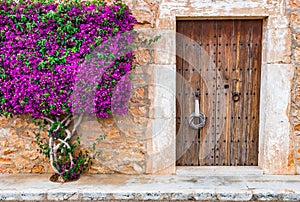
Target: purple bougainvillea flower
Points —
{"points": [[60, 59]]}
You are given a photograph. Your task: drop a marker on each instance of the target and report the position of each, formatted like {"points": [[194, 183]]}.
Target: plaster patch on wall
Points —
{"points": [[276, 128], [279, 46], [163, 130]]}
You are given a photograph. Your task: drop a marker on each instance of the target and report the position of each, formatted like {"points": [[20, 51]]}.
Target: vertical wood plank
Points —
{"points": [[192, 78], [234, 129], [185, 68], [255, 94], [247, 94], [233, 83], [199, 69], [190, 83], [184, 156], [240, 89], [179, 95], [224, 58], [208, 96], [183, 160], [195, 83]]}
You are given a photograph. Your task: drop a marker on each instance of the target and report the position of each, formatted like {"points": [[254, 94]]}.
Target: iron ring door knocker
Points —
{"points": [[197, 114], [235, 95]]}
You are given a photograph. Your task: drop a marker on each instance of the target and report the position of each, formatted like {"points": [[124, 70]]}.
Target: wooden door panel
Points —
{"points": [[220, 59], [225, 64], [208, 91], [189, 79], [255, 71]]}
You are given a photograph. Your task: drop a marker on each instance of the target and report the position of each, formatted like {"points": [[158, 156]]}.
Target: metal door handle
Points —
{"points": [[197, 114]]}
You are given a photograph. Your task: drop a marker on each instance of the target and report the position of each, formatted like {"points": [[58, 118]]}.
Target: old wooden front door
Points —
{"points": [[221, 61]]}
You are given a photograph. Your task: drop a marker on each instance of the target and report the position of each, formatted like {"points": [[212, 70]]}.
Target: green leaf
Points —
{"points": [[115, 30], [3, 75], [46, 94], [3, 100]]}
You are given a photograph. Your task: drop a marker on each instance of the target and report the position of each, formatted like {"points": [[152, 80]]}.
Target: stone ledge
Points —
{"points": [[218, 170], [151, 187]]}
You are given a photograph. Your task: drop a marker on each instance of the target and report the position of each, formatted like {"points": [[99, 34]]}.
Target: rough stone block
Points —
{"points": [[143, 16], [3, 121], [9, 151], [112, 133], [294, 3], [3, 142], [19, 122], [4, 169], [108, 122], [27, 133], [138, 93], [138, 111], [32, 126], [38, 169], [142, 56], [295, 18], [297, 36], [297, 127], [297, 55], [17, 142], [21, 162], [30, 154], [4, 160]]}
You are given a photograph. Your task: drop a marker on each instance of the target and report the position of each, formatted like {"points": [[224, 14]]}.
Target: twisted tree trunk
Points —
{"points": [[58, 145]]}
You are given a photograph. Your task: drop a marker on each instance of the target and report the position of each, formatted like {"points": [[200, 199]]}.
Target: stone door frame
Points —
{"points": [[276, 151]]}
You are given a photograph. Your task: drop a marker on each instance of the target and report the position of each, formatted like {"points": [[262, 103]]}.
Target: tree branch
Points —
{"points": [[69, 134], [68, 146], [69, 121], [47, 119], [67, 118], [54, 152], [77, 123], [52, 155], [63, 142]]}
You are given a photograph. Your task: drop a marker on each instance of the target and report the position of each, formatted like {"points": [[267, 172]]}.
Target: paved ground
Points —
{"points": [[151, 187]]}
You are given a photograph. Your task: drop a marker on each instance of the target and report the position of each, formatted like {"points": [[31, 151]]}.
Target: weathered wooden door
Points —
{"points": [[221, 60]]}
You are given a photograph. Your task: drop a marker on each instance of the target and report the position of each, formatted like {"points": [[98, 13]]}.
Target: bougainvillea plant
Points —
{"points": [[59, 61]]}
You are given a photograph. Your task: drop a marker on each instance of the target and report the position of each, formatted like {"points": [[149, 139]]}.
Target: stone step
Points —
{"points": [[151, 188], [218, 170]]}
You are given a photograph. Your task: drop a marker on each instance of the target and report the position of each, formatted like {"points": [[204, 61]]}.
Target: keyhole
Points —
{"points": [[226, 86]]}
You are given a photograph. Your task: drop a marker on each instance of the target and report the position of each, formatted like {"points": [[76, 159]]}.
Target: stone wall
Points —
{"points": [[18, 149], [124, 148], [132, 144], [293, 12]]}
